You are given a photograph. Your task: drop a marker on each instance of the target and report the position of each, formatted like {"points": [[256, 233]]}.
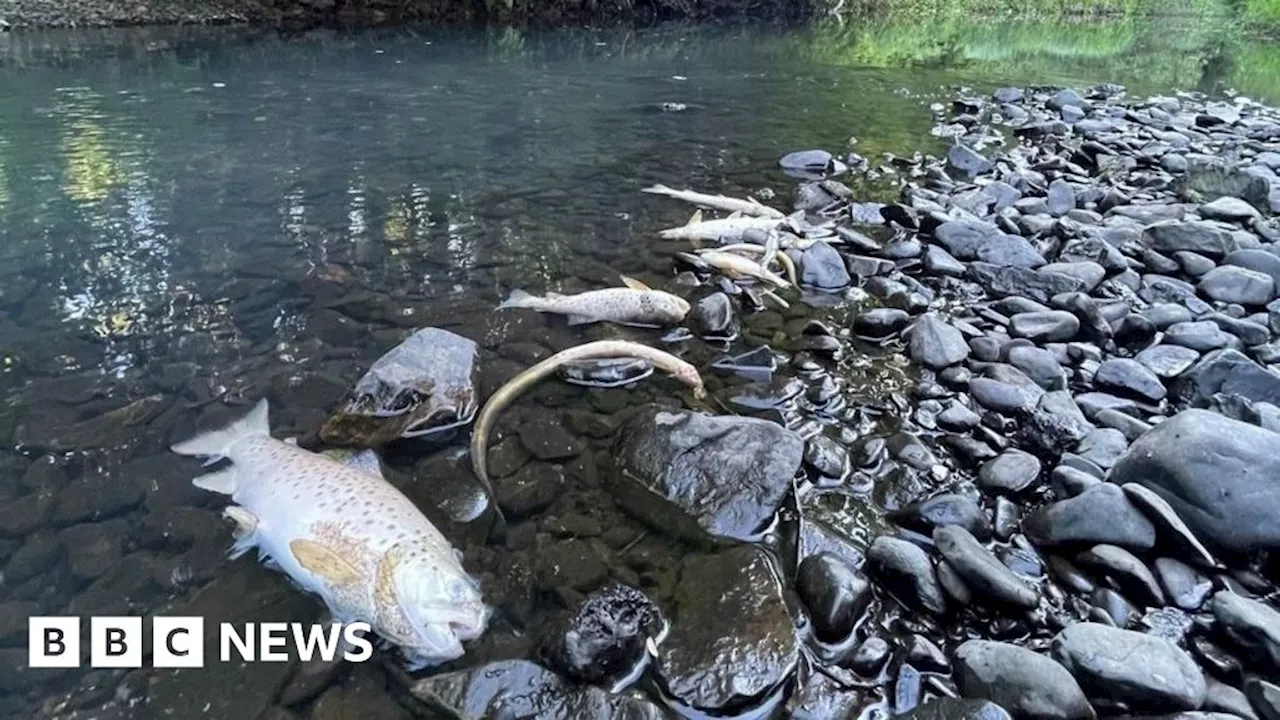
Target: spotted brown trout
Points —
{"points": [[341, 531]]}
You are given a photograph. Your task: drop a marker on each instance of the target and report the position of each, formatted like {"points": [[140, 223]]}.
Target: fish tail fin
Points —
{"points": [[519, 299], [218, 442]]}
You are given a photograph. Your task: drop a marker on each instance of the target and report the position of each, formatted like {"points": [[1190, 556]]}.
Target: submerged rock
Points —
{"points": [[605, 639], [690, 473], [1030, 685], [1104, 660], [731, 638], [1221, 476], [519, 688], [424, 384]]}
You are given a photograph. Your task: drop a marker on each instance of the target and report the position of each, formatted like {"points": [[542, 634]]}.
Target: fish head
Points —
{"points": [[672, 307], [443, 604], [688, 374]]}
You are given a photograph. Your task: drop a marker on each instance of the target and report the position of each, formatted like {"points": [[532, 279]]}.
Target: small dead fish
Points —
{"points": [[783, 259], [636, 304], [341, 531], [505, 395], [750, 206], [736, 266], [731, 228]]}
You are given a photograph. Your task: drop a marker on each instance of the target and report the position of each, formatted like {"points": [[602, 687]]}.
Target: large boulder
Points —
{"points": [[1221, 476], [1228, 372], [691, 474], [732, 638]]}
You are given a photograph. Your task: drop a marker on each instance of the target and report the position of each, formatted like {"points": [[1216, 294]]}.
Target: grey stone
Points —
{"points": [[1030, 685], [1011, 471], [1101, 514], [935, 343], [1102, 659], [981, 570], [1129, 377], [1051, 326], [1232, 284]]}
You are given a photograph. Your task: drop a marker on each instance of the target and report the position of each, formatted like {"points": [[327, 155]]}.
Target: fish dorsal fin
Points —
{"points": [[735, 215], [633, 283], [366, 461], [695, 218], [324, 562]]}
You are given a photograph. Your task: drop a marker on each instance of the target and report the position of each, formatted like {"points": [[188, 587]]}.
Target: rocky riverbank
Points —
{"points": [[1087, 286]]}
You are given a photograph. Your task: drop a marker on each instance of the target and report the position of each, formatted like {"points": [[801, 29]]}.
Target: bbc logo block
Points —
{"points": [[115, 642], [179, 642]]}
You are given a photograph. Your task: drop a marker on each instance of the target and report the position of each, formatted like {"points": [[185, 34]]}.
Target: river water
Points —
{"points": [[193, 219]]}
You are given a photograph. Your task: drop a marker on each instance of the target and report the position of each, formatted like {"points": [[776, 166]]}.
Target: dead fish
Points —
{"points": [[725, 229], [341, 531], [736, 266], [750, 206], [505, 395], [764, 251], [635, 304]]}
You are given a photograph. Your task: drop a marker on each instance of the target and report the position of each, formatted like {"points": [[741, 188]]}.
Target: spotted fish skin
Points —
{"points": [[341, 531], [617, 305]]}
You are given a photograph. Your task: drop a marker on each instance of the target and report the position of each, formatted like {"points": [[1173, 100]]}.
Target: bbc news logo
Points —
{"points": [[178, 642]]}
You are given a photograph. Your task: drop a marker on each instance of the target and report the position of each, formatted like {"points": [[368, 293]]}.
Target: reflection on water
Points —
{"points": [[194, 216]]}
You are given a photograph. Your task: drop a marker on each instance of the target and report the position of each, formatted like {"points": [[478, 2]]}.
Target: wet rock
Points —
{"points": [[936, 344], [605, 639], [725, 475], [1218, 475], [547, 440], [1005, 388], [576, 564], [1037, 285], [1131, 427], [1012, 471], [731, 638], [519, 689], [95, 496], [1193, 236], [834, 594], [1229, 209], [364, 695], [958, 417], [529, 490], [713, 317], [1183, 585], [1232, 284], [1252, 625], [1171, 527], [981, 570], [940, 262], [1061, 198], [942, 510], [945, 708], [880, 322], [36, 555], [92, 548], [1069, 482], [905, 570], [1057, 423], [826, 456], [424, 384], [1101, 514], [1009, 251], [1202, 335], [1167, 361], [965, 162], [923, 654], [1126, 572], [1129, 377], [1227, 372], [819, 696], [1261, 261], [1264, 696], [1223, 698], [907, 689], [870, 656], [1030, 685], [1103, 447], [21, 516], [1050, 326], [823, 267], [962, 238], [1040, 365], [1102, 659], [807, 164]]}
